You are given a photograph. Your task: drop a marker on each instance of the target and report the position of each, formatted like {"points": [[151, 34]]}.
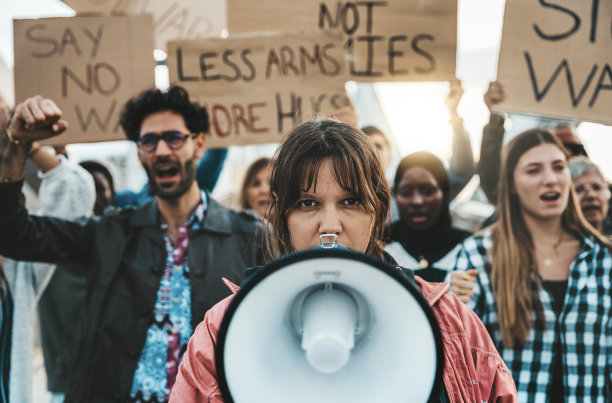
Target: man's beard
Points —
{"points": [[187, 174]]}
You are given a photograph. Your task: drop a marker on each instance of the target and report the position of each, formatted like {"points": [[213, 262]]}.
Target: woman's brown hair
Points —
{"points": [[514, 273], [250, 174], [295, 168]]}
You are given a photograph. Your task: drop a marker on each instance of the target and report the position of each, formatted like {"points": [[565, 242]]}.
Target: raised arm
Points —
{"points": [[492, 141], [36, 118], [462, 158], [25, 237]]}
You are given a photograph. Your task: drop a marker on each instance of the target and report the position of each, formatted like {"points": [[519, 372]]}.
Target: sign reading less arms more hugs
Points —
{"points": [[256, 88], [90, 66], [556, 58], [393, 40]]}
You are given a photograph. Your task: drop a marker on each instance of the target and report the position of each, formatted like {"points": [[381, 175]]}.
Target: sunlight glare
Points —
{"points": [[417, 116]]}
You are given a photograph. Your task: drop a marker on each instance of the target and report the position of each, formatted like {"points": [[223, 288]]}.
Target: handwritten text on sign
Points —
{"points": [[556, 58], [172, 19], [90, 66], [395, 40], [256, 88]]}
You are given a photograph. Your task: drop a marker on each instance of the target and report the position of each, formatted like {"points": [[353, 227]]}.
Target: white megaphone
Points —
{"points": [[329, 325]]}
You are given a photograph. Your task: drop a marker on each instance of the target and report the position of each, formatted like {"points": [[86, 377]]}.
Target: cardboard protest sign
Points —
{"points": [[90, 66], [6, 83], [556, 59], [174, 19], [395, 40], [256, 88]]}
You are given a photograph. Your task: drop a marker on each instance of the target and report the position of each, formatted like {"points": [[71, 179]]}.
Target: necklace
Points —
{"points": [[423, 263], [549, 259]]}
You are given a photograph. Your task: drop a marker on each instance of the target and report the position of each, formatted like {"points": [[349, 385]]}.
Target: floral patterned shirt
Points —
{"points": [[169, 333]]}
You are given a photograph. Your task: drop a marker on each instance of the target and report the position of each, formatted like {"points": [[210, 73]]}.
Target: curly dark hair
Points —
{"points": [[176, 100]]}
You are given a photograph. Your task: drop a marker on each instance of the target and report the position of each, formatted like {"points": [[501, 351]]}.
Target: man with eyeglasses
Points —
{"points": [[152, 271]]}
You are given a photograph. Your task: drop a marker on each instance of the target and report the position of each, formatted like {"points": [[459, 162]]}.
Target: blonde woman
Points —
{"points": [[543, 279]]}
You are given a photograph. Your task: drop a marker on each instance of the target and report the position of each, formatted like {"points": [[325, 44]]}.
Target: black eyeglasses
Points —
{"points": [[174, 138]]}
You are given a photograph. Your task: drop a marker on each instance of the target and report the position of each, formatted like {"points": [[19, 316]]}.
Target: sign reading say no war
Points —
{"points": [[556, 58], [90, 66], [257, 87]]}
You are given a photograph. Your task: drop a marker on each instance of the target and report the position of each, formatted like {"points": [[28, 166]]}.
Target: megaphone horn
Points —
{"points": [[329, 325]]}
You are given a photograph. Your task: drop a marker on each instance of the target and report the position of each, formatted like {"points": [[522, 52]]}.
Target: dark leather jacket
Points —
{"points": [[125, 256]]}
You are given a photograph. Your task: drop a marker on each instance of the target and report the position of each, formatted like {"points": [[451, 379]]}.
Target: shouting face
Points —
{"points": [[171, 165]]}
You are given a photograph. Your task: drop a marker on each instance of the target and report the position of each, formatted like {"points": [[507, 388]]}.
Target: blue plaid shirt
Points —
{"points": [[584, 327]]}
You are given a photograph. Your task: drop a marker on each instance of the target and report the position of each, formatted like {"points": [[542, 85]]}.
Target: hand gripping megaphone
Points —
{"points": [[329, 325]]}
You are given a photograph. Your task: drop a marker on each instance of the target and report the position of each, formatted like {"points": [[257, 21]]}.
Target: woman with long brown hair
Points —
{"points": [[255, 189], [327, 180], [543, 286]]}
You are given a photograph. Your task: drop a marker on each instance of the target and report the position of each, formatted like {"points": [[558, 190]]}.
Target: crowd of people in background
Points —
{"points": [[120, 281]]}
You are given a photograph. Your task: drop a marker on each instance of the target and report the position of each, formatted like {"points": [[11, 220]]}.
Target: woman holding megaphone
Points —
{"points": [[326, 179]]}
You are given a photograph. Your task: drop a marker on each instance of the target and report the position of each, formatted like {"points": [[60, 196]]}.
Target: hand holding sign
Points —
{"points": [[494, 95], [37, 118], [454, 97]]}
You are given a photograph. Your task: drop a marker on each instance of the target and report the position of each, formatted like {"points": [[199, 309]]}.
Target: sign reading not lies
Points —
{"points": [[394, 40], [90, 67], [556, 59], [257, 87]]}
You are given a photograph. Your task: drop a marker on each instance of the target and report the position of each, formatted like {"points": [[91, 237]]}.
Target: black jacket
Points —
{"points": [[125, 256]]}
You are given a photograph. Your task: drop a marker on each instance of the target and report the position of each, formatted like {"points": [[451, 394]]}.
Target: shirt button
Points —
{"points": [[176, 300]]}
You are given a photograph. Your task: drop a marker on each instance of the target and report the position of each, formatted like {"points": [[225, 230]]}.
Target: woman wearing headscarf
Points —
{"points": [[424, 239]]}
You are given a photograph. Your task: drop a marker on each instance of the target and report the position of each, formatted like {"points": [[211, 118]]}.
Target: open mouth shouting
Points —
{"points": [[166, 172], [591, 209], [550, 197]]}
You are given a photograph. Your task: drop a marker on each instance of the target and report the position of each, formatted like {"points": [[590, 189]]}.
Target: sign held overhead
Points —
{"points": [[556, 59], [90, 66], [257, 87], [174, 19], [395, 40]]}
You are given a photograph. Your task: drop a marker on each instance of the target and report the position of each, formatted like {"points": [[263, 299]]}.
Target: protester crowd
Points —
{"points": [[130, 288]]}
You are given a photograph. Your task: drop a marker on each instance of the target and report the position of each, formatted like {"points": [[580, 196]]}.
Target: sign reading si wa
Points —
{"points": [[256, 88], [556, 58], [395, 40], [90, 66], [172, 19]]}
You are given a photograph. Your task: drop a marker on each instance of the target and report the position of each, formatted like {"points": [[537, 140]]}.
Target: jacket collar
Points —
{"points": [[217, 218], [146, 215], [431, 291]]}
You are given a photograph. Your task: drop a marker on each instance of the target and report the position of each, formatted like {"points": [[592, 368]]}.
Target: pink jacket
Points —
{"points": [[473, 371]]}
